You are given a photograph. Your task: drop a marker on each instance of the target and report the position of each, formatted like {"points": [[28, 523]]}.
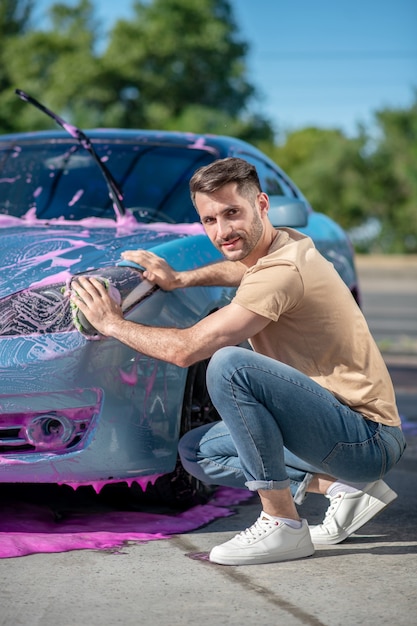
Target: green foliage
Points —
{"points": [[14, 23], [394, 170], [180, 65], [176, 57], [331, 170], [14, 17], [58, 67], [361, 179], [202, 119], [175, 62]]}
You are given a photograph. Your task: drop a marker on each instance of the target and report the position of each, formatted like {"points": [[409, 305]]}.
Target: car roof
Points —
{"points": [[221, 142]]}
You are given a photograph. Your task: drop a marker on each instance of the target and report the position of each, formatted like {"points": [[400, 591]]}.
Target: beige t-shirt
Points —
{"points": [[316, 326]]}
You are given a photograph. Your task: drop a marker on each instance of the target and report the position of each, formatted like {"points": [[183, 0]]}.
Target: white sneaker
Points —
{"points": [[266, 541], [349, 511]]}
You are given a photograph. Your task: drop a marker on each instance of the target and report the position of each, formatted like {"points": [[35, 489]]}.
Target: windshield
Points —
{"points": [[58, 178]]}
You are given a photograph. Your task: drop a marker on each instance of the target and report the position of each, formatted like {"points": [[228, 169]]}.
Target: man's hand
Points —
{"points": [[91, 297], [157, 270]]}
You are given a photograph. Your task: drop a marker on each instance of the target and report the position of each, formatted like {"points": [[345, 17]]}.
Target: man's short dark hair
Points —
{"points": [[212, 177]]}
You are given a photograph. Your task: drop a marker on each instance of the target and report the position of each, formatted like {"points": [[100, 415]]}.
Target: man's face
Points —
{"points": [[231, 222]]}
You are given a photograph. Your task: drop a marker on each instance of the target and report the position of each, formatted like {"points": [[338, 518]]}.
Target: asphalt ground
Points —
{"points": [[369, 578]]}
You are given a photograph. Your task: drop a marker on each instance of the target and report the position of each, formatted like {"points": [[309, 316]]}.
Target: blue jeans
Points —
{"points": [[279, 428]]}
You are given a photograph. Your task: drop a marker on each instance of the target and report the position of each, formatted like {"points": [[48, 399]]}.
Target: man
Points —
{"points": [[310, 409]]}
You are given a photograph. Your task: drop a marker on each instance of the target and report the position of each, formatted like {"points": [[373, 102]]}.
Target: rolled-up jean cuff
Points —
{"points": [[300, 494], [254, 485]]}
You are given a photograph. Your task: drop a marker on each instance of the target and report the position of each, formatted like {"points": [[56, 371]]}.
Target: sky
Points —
{"points": [[324, 63]]}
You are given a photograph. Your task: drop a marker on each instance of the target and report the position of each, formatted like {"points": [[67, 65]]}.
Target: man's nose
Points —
{"points": [[223, 228]]}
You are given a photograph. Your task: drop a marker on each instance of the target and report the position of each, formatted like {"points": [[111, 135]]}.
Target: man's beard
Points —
{"points": [[248, 240]]}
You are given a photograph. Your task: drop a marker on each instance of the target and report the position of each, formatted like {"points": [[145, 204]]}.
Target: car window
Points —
{"points": [[157, 183], [60, 179], [271, 180]]}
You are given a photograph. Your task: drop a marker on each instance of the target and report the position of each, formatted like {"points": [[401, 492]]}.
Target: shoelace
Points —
{"points": [[332, 506], [259, 528]]}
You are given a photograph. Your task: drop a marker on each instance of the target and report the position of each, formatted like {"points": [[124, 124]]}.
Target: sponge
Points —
{"points": [[80, 321]]}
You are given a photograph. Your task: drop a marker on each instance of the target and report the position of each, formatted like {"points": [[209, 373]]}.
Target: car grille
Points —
{"points": [[51, 431]]}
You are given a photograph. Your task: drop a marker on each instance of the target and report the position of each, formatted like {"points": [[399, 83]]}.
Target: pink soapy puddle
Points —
{"points": [[33, 527]]}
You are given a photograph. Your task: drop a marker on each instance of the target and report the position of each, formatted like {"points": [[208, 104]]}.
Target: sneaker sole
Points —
{"points": [[378, 505], [301, 553]]}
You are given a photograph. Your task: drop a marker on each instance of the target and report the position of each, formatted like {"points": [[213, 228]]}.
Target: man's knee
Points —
{"points": [[223, 364]]}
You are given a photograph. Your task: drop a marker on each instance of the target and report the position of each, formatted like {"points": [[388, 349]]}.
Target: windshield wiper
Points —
{"points": [[114, 190]]}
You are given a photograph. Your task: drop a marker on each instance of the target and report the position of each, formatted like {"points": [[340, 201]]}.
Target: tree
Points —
{"points": [[361, 181], [14, 22], [56, 66], [14, 17], [176, 64], [181, 61], [394, 178], [331, 169]]}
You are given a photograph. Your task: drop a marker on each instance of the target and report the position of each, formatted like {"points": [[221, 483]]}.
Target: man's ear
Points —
{"points": [[263, 203]]}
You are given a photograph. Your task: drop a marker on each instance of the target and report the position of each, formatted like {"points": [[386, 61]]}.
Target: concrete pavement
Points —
{"points": [[370, 578]]}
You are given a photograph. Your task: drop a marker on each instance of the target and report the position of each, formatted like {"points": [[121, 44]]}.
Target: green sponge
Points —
{"points": [[80, 321]]}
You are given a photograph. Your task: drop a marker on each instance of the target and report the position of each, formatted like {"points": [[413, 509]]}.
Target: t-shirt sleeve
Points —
{"points": [[270, 289]]}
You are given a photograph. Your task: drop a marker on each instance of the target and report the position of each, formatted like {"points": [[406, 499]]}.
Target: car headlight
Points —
{"points": [[41, 310]]}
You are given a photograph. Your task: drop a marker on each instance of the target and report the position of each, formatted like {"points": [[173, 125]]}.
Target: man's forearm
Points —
{"points": [[221, 274], [158, 271], [167, 344]]}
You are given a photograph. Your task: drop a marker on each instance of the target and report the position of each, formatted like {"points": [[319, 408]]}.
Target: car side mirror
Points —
{"points": [[284, 211]]}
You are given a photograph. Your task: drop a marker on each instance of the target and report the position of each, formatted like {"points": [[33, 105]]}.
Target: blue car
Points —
{"points": [[76, 408]]}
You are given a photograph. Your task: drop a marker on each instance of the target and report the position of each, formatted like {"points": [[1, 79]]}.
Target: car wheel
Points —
{"points": [[179, 489]]}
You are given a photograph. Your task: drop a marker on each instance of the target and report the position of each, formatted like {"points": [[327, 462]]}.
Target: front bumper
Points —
{"points": [[86, 412]]}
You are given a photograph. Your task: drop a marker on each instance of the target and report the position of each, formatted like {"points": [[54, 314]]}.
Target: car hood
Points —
{"points": [[42, 253]]}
